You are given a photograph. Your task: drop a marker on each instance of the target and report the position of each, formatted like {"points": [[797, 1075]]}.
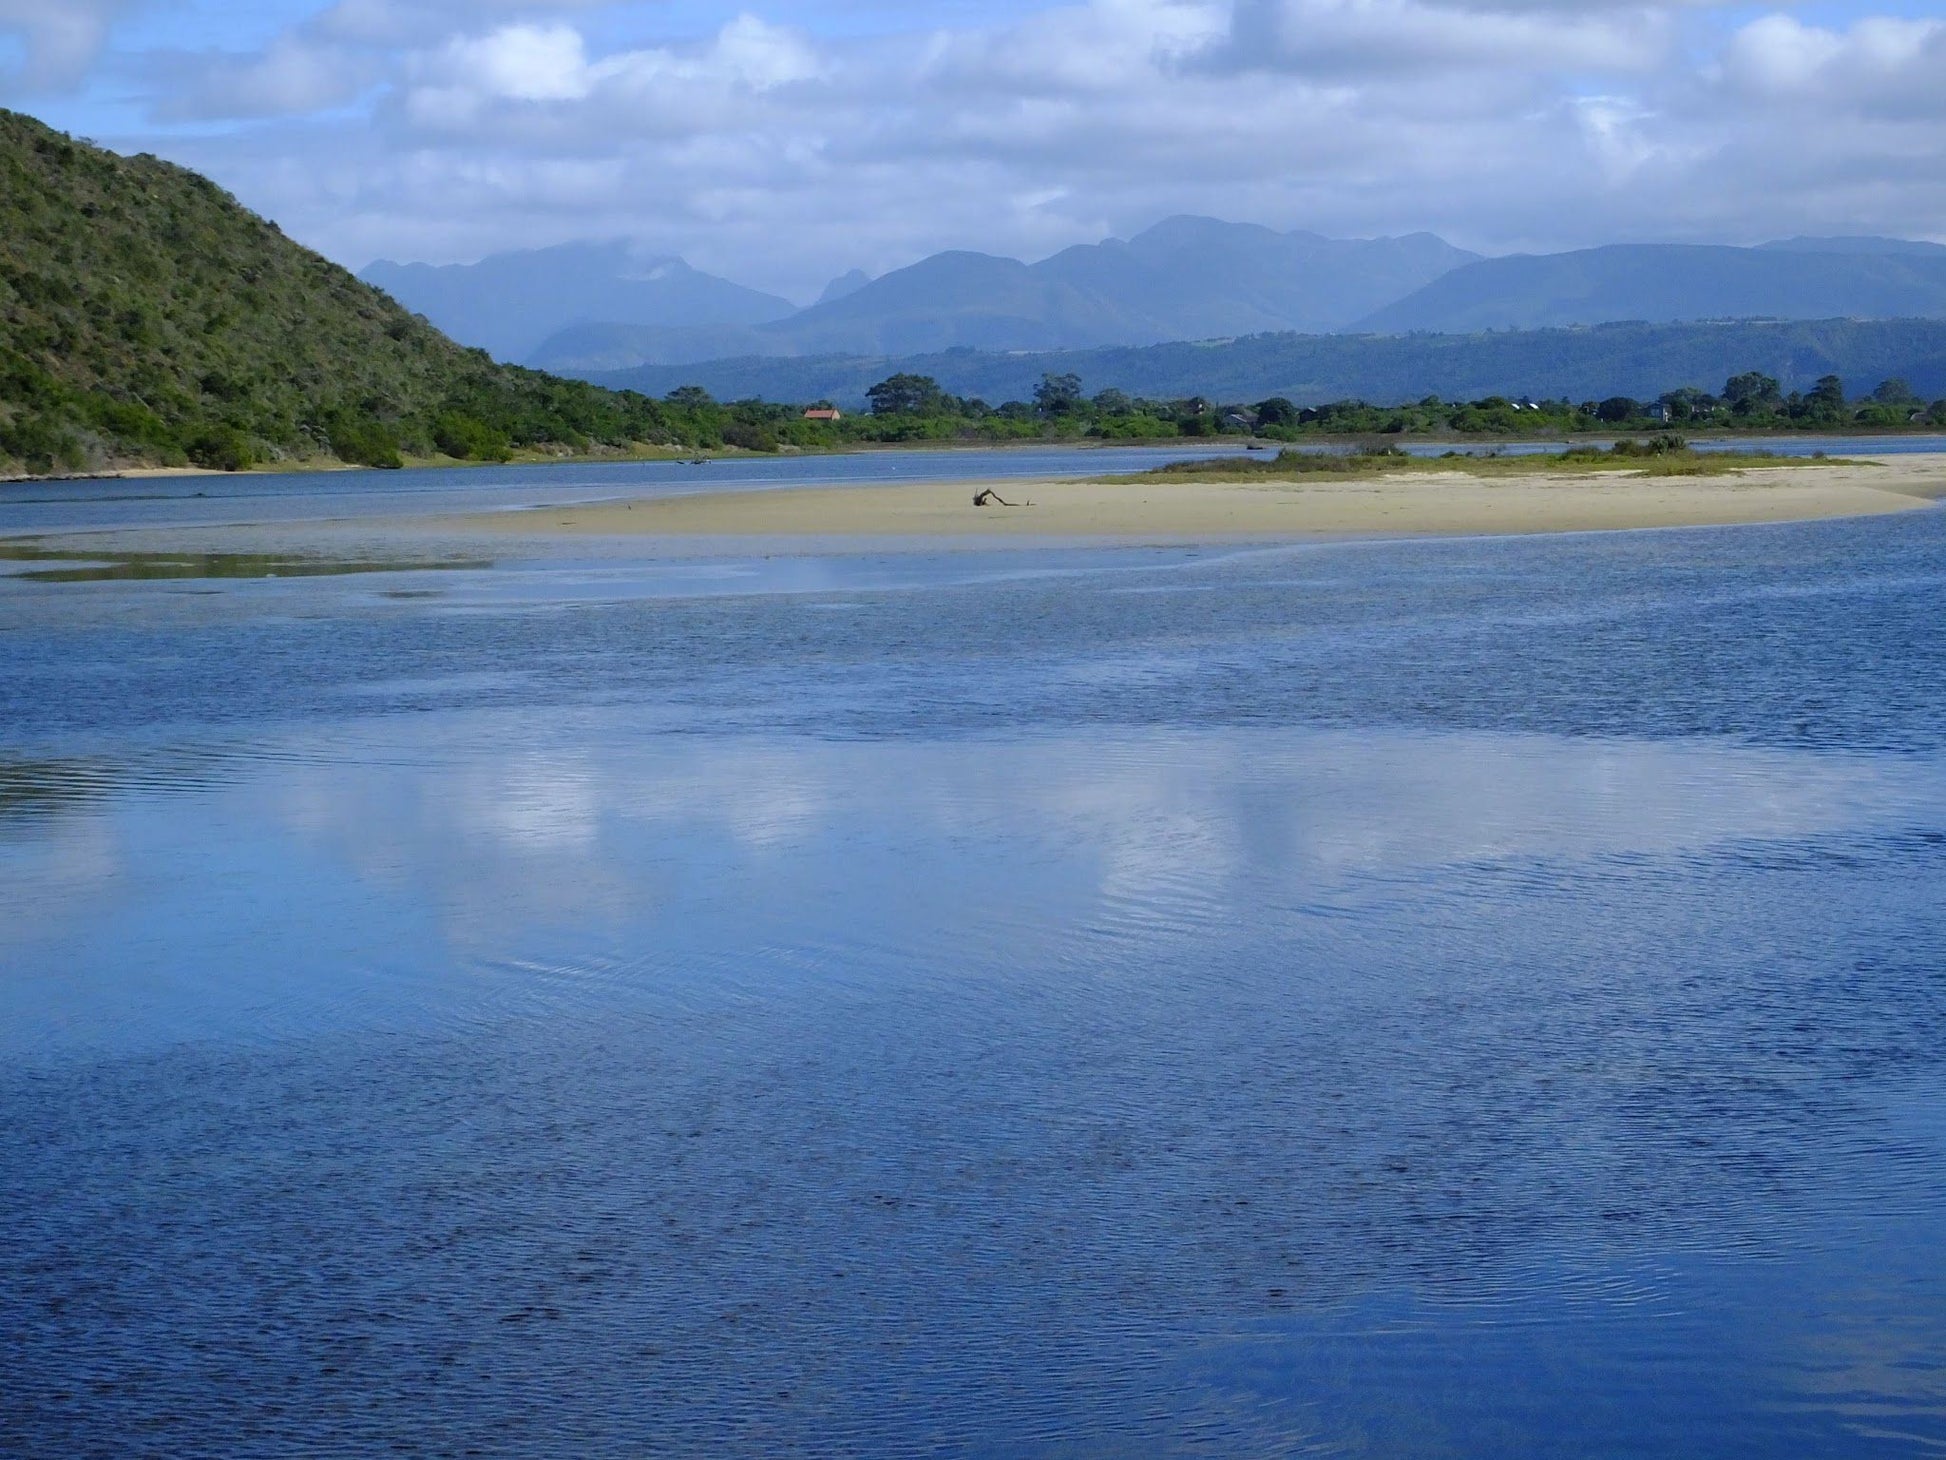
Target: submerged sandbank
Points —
{"points": [[1437, 503]]}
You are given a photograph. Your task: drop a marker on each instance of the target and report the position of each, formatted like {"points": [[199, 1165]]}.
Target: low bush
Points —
{"points": [[364, 443], [470, 439], [221, 448]]}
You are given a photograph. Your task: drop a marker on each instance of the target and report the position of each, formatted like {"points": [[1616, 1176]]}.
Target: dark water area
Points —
{"points": [[1392, 999], [32, 563]]}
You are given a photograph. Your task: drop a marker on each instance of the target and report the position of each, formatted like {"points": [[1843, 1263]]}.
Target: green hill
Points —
{"points": [[147, 318]]}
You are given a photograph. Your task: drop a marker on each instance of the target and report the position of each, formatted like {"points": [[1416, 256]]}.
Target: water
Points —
{"points": [[220, 498], [201, 500], [1384, 999]]}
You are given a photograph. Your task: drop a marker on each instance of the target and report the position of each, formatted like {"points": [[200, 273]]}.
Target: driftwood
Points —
{"points": [[987, 497]]}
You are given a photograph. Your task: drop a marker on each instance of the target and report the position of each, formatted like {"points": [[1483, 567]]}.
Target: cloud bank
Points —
{"points": [[785, 146]]}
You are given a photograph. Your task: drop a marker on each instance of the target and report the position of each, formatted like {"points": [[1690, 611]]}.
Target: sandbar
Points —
{"points": [[1419, 503]]}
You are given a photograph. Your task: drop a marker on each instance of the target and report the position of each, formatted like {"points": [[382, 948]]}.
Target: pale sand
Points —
{"points": [[1432, 503]]}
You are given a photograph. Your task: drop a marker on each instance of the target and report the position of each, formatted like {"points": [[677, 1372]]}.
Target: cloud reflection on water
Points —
{"points": [[1343, 1068], [551, 840]]}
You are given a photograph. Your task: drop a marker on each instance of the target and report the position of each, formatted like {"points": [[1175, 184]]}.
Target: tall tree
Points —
{"points": [[1058, 395], [905, 395], [1750, 390]]}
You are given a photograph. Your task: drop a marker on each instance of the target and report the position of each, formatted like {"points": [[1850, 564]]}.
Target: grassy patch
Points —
{"points": [[1286, 463], [1659, 456]]}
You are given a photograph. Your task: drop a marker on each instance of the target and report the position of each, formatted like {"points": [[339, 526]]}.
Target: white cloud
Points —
{"points": [[750, 53], [519, 63], [1880, 64], [294, 76], [59, 40], [782, 157], [492, 81]]}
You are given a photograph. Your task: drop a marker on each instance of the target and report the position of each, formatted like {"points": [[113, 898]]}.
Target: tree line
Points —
{"points": [[916, 408], [499, 414]]}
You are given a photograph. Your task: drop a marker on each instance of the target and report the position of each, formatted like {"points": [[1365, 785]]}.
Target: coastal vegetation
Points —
{"points": [[1664, 455], [907, 408], [147, 319]]}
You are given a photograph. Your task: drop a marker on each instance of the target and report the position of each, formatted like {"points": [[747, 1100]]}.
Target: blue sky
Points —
{"points": [[783, 144]]}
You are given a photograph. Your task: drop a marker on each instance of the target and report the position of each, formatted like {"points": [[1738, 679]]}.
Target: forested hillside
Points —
{"points": [[147, 318]]}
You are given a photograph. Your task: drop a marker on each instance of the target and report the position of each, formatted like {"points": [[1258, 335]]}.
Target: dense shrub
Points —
{"points": [[364, 442], [41, 443], [222, 448], [747, 437], [468, 438]]}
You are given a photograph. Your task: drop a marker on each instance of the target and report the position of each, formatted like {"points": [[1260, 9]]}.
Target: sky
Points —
{"points": [[783, 144]]}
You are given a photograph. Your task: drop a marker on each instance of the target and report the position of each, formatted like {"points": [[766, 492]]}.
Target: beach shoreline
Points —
{"points": [[1430, 503], [945, 449]]}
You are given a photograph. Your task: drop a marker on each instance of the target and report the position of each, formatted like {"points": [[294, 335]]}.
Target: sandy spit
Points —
{"points": [[1430, 504]]}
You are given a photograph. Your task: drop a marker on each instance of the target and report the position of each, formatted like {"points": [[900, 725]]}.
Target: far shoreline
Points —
{"points": [[1212, 445]]}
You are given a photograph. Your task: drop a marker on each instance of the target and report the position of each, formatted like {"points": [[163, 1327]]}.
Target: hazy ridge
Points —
{"points": [[1184, 279], [1661, 283]]}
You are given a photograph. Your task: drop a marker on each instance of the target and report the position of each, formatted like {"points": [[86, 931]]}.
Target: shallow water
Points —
{"points": [[219, 498], [1398, 999]]}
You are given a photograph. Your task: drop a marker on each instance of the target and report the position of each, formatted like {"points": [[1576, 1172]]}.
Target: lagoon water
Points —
{"points": [[113, 503], [1390, 999]]}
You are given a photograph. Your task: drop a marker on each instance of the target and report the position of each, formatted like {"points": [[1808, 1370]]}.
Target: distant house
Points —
{"points": [[824, 413], [1662, 412]]}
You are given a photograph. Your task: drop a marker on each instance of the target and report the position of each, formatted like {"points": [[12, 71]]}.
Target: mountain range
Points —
{"points": [[1185, 277], [591, 309]]}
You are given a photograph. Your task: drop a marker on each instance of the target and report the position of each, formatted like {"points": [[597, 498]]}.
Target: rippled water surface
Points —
{"points": [[1402, 999]]}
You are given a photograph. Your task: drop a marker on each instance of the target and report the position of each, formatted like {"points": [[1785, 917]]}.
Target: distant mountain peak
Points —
{"points": [[844, 286], [511, 303]]}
